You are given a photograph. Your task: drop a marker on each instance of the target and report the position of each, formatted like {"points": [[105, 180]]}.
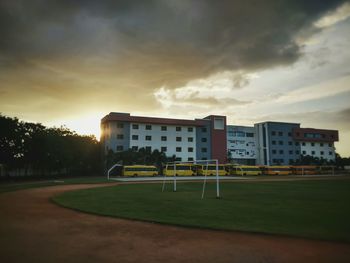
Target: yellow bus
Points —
{"points": [[202, 169], [140, 170], [304, 169], [181, 170], [278, 170], [245, 170]]}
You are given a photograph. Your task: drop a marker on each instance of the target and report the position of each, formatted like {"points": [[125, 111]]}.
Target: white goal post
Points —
{"points": [[206, 162]]}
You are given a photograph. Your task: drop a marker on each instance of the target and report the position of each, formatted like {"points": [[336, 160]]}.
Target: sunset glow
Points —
{"points": [[70, 63]]}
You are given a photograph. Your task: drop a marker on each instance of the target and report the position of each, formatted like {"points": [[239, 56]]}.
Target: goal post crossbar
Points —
{"points": [[205, 175]]}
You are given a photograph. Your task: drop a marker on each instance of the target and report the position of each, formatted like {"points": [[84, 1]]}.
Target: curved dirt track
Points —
{"points": [[32, 229]]}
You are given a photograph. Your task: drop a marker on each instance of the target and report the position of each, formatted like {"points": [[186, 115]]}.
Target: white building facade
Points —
{"points": [[172, 140], [241, 144]]}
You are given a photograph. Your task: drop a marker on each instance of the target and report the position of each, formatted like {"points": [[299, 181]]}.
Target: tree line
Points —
{"points": [[33, 149]]}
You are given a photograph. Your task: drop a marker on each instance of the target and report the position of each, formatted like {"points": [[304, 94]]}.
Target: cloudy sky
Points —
{"points": [[72, 62]]}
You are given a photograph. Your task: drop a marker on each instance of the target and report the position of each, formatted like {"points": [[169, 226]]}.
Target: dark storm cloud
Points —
{"points": [[224, 34]]}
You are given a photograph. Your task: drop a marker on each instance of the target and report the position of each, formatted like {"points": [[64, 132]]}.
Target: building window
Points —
{"points": [[247, 153], [178, 129], [190, 149], [163, 138], [135, 137], [321, 152], [204, 158], [280, 142], [178, 159], [274, 151], [330, 153], [178, 139], [289, 134], [290, 152], [330, 144], [178, 149], [148, 138], [190, 159], [190, 129], [321, 144], [303, 144], [219, 124], [290, 143], [296, 143], [120, 125], [135, 126], [120, 148], [148, 127], [239, 134], [249, 134], [204, 150], [281, 151], [134, 148], [204, 140], [273, 133], [204, 129], [163, 149], [312, 144], [304, 152], [297, 152], [163, 128], [120, 136], [148, 148], [280, 133], [273, 142], [190, 139], [313, 152]]}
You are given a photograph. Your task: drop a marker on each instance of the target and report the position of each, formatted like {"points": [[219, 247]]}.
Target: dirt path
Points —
{"points": [[32, 229]]}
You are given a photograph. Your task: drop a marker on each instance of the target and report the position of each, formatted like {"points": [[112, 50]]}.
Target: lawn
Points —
{"points": [[8, 187], [313, 209]]}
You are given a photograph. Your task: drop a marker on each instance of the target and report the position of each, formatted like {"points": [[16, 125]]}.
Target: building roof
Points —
{"points": [[126, 117], [279, 122]]}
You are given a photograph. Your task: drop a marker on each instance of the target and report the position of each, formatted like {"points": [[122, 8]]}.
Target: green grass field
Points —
{"points": [[313, 209], [8, 187]]}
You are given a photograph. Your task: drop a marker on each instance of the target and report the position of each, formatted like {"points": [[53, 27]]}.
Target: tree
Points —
{"points": [[41, 150]]}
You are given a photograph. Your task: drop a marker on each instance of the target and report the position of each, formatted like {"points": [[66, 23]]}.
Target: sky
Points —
{"points": [[72, 62]]}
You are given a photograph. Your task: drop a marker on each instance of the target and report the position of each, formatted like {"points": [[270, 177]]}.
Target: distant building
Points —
{"points": [[267, 143], [241, 143], [188, 140], [316, 142], [284, 143], [275, 144]]}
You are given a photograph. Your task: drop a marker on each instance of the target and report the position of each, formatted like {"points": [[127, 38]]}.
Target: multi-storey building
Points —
{"points": [[241, 144], [275, 144], [186, 139], [316, 142], [267, 143], [284, 143]]}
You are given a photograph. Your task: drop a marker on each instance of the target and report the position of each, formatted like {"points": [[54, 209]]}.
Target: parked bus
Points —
{"points": [[304, 169], [181, 170], [140, 170], [245, 170], [202, 170], [277, 170]]}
